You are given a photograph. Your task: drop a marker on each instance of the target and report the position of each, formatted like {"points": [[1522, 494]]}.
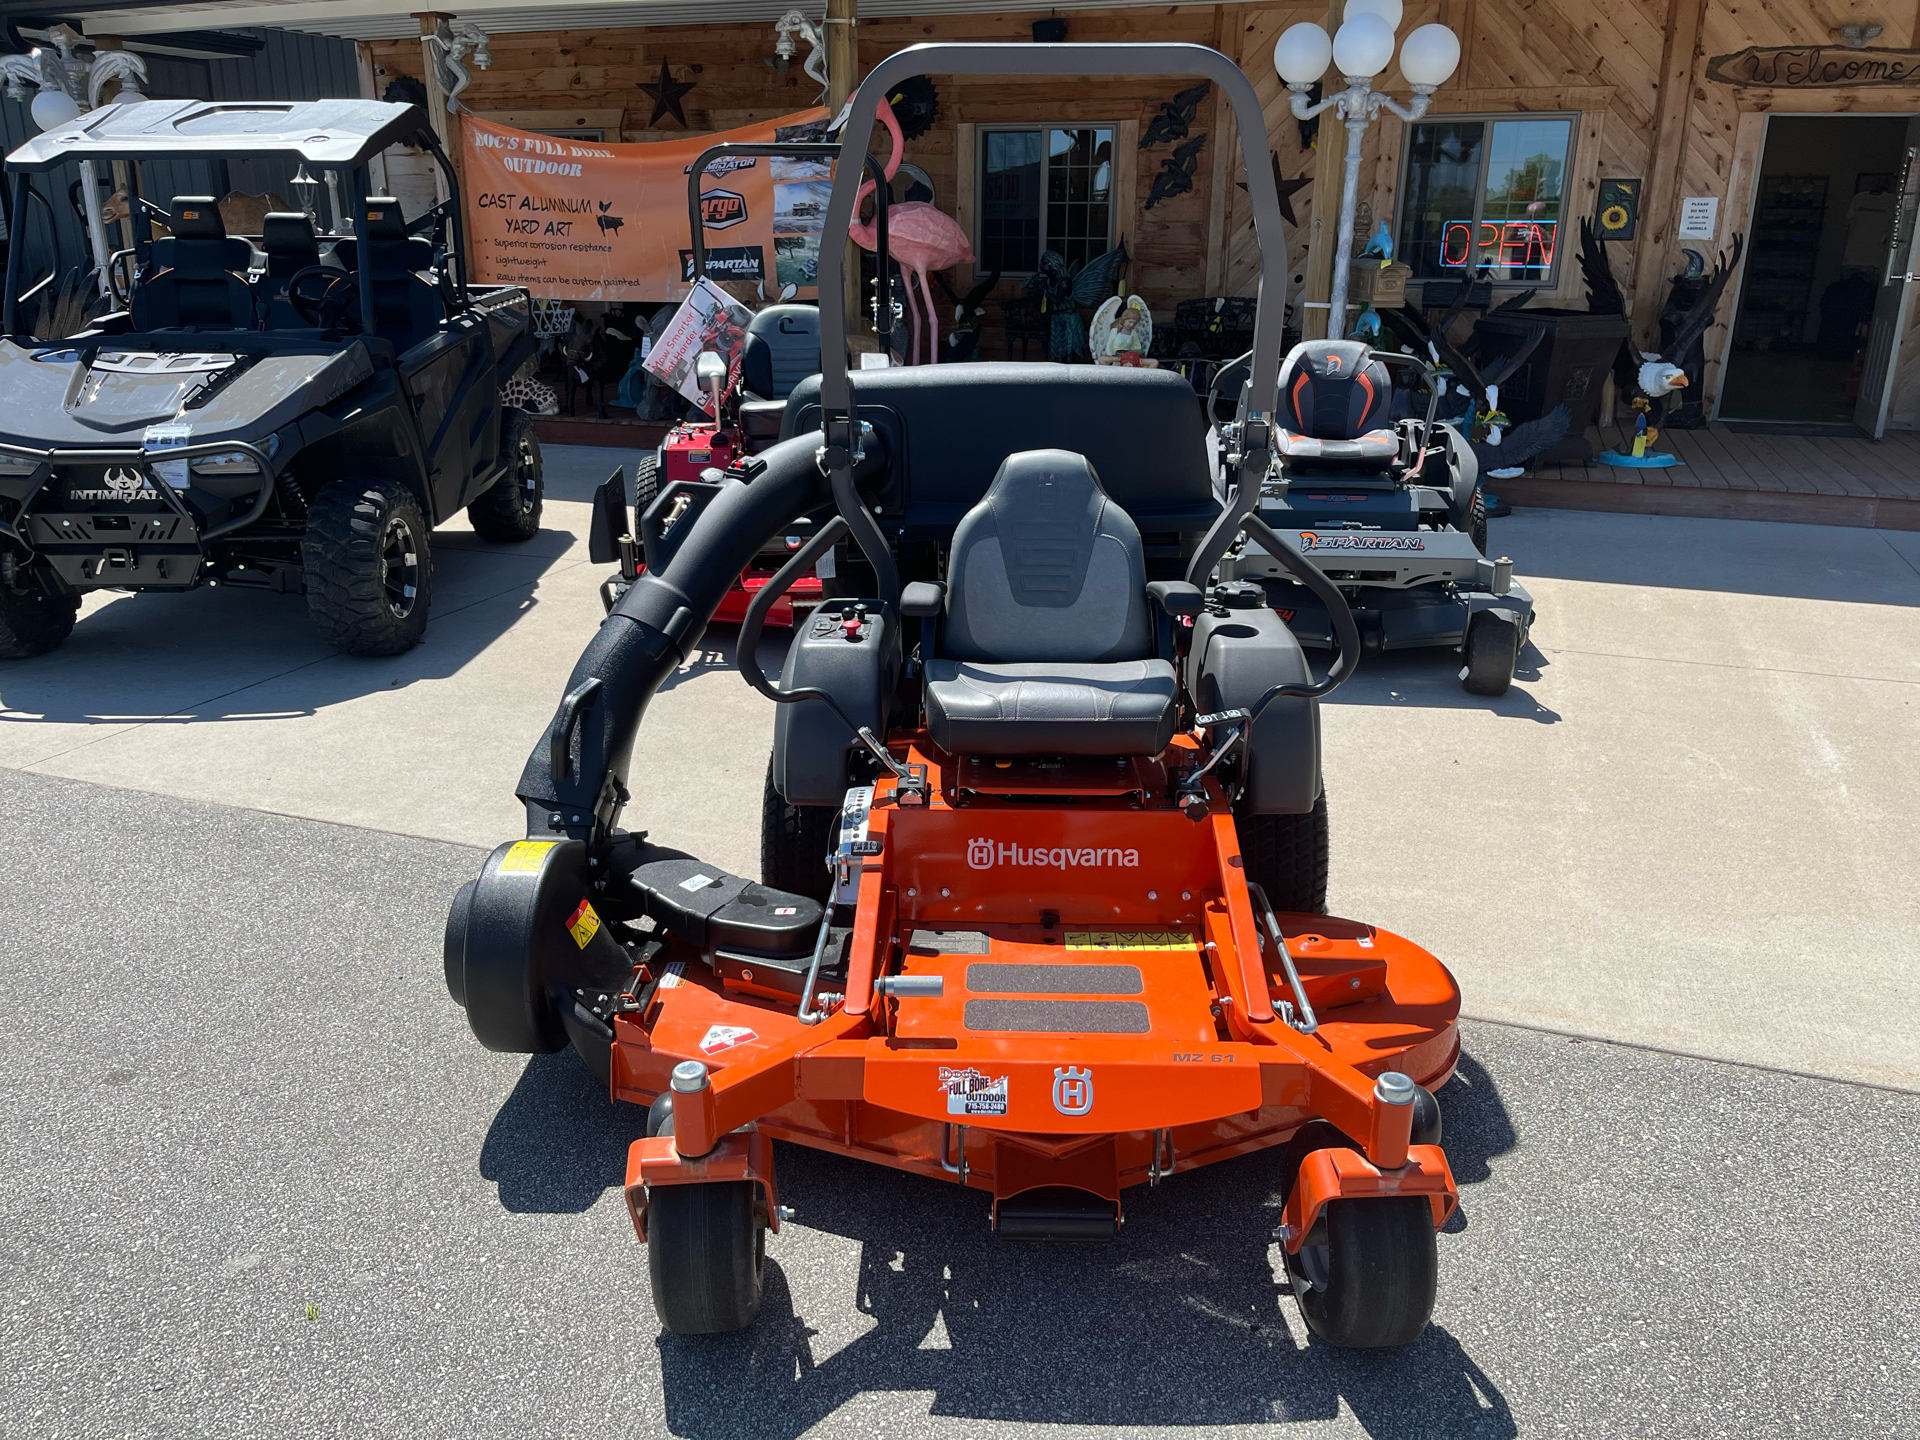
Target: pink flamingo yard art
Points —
{"points": [[919, 237]]}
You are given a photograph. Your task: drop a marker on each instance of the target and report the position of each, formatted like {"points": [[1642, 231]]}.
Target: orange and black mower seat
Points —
{"points": [[1335, 400]]}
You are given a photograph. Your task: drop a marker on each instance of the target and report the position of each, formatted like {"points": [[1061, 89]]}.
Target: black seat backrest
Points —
{"points": [[783, 348], [1334, 390], [406, 307], [288, 239], [197, 274], [1047, 567], [948, 427]]}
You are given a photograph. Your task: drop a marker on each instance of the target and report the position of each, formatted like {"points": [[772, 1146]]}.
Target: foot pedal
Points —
{"points": [[1056, 1212]]}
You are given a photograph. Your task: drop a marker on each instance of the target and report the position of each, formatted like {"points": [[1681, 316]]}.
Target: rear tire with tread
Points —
{"points": [[34, 623], [509, 510], [369, 567], [1286, 855], [1477, 519], [794, 841]]}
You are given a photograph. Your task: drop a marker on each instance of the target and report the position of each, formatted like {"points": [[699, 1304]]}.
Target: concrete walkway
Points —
{"points": [[1692, 824]]}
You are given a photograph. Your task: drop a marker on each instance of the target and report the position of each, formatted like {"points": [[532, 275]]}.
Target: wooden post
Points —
{"points": [[843, 77], [370, 90], [1225, 146], [1660, 206], [446, 126], [1323, 230]]}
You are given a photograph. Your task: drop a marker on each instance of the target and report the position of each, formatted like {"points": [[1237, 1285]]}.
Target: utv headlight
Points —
{"points": [[232, 462], [17, 465]]}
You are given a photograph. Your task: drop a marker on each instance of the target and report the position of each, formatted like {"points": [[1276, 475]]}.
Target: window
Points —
{"points": [[1044, 190], [1486, 192]]}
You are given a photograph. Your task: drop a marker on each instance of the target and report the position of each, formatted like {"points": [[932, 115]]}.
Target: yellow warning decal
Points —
{"points": [[526, 856], [583, 924], [1129, 940]]}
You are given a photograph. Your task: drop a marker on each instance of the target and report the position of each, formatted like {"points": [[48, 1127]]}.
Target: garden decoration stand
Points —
{"points": [[922, 238]]}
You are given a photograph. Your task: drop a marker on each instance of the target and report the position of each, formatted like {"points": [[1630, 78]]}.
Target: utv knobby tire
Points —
{"points": [[369, 568], [706, 1252], [1477, 519], [1370, 1278], [794, 841], [509, 511], [1286, 855], [34, 624]]}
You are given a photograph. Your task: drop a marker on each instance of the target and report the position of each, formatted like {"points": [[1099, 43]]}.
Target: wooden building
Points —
{"points": [[1787, 121]]}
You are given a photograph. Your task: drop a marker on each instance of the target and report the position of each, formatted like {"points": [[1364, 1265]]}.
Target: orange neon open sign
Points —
{"points": [[1510, 244]]}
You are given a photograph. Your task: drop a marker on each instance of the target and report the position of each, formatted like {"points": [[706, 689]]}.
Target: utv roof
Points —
{"points": [[331, 133]]}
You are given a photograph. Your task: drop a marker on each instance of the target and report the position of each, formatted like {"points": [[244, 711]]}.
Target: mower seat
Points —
{"points": [[1334, 404], [783, 348], [1047, 644]]}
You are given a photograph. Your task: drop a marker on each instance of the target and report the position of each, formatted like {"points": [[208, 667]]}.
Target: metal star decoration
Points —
{"points": [[1287, 189], [666, 96]]}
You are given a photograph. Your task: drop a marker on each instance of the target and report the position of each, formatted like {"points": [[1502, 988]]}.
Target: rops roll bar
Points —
{"points": [[1253, 430]]}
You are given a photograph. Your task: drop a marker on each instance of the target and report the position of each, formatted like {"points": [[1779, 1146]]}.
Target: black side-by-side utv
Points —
{"points": [[293, 410]]}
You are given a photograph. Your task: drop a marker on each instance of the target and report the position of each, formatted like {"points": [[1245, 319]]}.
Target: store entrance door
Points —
{"points": [[1829, 196], [1894, 299]]}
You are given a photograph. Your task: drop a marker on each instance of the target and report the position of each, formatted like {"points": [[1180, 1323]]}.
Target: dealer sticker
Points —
{"points": [[971, 1092], [697, 882], [725, 1037], [1129, 940], [583, 924], [526, 856]]}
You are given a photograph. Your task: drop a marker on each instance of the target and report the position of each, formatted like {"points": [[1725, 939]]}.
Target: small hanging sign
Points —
{"points": [[1699, 217], [1617, 212], [1815, 67]]}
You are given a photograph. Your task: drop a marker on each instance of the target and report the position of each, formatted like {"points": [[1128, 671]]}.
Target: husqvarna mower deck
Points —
{"points": [[1044, 836]]}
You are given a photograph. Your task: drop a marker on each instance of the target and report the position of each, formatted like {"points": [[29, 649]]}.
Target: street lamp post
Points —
{"points": [[1362, 48]]}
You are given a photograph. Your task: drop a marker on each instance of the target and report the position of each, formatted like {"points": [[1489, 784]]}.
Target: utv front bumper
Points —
{"points": [[130, 517]]}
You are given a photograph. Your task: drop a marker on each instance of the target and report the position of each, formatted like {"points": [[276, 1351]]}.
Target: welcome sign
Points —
{"points": [[1815, 67], [587, 220]]}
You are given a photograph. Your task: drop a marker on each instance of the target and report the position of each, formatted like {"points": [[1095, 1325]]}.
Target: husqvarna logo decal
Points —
{"points": [[984, 853], [1072, 1090], [1343, 541]]}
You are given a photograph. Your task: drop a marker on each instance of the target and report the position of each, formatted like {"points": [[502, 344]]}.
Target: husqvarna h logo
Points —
{"points": [[1072, 1090], [984, 853]]}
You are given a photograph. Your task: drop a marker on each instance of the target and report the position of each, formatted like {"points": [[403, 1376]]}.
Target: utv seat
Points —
{"points": [[783, 348], [288, 239], [407, 308], [1335, 400], [195, 277], [1047, 643]]}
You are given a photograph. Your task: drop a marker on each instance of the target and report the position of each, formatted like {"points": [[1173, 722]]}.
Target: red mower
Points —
{"points": [[1045, 842]]}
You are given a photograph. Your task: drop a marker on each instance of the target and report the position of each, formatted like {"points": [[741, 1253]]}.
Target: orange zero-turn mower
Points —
{"points": [[1044, 839]]}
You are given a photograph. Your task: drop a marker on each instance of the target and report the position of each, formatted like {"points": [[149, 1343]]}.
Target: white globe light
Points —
{"points": [[1302, 52], [53, 108], [1388, 10], [1430, 55], [1363, 47]]}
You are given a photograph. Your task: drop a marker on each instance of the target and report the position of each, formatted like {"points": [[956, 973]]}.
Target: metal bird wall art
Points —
{"points": [[1175, 176], [1176, 117], [1649, 379]]}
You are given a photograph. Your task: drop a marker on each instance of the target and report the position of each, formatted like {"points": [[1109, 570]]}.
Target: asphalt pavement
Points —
{"points": [[262, 1182]]}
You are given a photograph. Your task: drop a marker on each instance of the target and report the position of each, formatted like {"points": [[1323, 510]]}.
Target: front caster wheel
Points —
{"points": [[706, 1254], [1366, 1274], [1492, 650]]}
